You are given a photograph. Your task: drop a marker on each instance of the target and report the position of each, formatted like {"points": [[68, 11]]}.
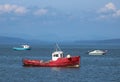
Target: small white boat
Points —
{"points": [[97, 52], [24, 47]]}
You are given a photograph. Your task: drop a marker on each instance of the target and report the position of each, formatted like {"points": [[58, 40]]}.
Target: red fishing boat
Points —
{"points": [[58, 60]]}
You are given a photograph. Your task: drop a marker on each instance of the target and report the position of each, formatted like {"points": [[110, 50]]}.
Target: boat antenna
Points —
{"points": [[57, 47]]}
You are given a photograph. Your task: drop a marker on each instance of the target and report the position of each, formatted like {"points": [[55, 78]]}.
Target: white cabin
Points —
{"points": [[25, 46], [56, 55]]}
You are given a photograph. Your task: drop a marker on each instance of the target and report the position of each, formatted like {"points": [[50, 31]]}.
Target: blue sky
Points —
{"points": [[60, 20]]}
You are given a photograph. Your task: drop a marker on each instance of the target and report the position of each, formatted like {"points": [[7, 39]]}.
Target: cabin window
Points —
{"points": [[56, 55], [61, 55]]}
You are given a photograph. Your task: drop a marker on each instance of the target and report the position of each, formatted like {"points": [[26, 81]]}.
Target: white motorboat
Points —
{"points": [[97, 52]]}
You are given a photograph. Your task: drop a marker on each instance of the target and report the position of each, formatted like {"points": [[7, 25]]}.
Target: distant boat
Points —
{"points": [[57, 61], [97, 52], [23, 47]]}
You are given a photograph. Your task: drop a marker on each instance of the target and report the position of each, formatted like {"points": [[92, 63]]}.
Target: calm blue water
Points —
{"points": [[104, 68]]}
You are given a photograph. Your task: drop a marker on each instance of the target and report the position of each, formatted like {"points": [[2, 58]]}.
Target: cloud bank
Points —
{"points": [[41, 12], [16, 9], [109, 11], [8, 8]]}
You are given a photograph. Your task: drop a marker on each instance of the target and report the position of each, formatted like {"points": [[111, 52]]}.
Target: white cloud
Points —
{"points": [[108, 7], [8, 8], [117, 13], [41, 12], [20, 10], [109, 11]]}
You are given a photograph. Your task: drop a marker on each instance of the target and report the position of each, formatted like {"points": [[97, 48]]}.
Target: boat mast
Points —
{"points": [[57, 47]]}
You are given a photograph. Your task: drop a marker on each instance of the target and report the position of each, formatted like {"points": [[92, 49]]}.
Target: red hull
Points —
{"points": [[60, 62]]}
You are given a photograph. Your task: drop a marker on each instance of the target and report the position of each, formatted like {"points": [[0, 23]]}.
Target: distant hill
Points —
{"points": [[11, 40], [14, 40], [107, 41], [110, 41]]}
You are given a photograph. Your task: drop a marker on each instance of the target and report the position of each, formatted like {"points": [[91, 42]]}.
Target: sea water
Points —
{"points": [[104, 68]]}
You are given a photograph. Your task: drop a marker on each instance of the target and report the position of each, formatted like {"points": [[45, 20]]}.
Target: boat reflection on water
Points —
{"points": [[56, 68]]}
